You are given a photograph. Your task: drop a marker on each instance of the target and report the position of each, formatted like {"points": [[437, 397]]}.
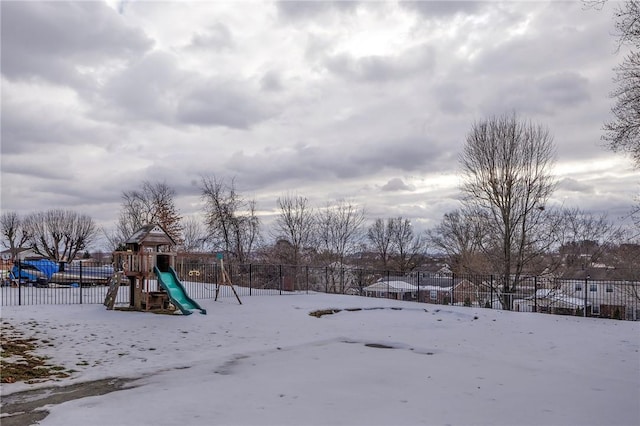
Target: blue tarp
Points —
{"points": [[34, 269]]}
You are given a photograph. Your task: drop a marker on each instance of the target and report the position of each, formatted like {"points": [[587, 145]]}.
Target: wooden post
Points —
{"points": [[114, 285], [225, 277]]}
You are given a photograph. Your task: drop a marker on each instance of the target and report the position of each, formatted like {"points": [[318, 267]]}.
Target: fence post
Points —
{"points": [[453, 280], [250, 278], [80, 283], [418, 296], [217, 273], [326, 279], [280, 275], [491, 294], [586, 283], [388, 285], [535, 294], [19, 283], [307, 278]]}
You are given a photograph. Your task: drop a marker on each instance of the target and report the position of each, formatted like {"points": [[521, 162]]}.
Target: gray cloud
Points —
{"points": [[527, 52], [143, 91], [26, 126], [409, 154], [379, 68], [271, 81], [336, 160], [52, 40], [564, 89], [312, 10], [216, 103], [156, 89], [573, 185], [441, 9], [218, 37], [451, 97], [538, 96], [397, 184]]}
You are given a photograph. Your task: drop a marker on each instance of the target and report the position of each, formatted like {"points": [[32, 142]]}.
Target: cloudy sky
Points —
{"points": [[368, 101]]}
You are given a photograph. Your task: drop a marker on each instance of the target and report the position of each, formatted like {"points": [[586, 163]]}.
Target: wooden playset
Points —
{"points": [[148, 248]]}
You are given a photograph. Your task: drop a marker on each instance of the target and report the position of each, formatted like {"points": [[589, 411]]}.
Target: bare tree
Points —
{"points": [[295, 224], [194, 235], [458, 237], [339, 233], [231, 220], [506, 165], [626, 260], [59, 234], [114, 238], [623, 132], [14, 234], [340, 229], [153, 203], [628, 22], [379, 235], [407, 247], [585, 239]]}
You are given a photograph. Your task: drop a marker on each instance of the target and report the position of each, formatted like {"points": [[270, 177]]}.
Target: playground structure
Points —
{"points": [[148, 263], [225, 280]]}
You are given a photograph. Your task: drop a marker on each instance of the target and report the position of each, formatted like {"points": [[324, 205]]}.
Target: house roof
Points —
{"points": [[557, 298], [20, 253], [442, 282], [392, 287], [151, 234], [17, 250]]}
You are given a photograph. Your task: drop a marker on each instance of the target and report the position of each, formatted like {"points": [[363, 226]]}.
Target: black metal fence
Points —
{"points": [[83, 283]]}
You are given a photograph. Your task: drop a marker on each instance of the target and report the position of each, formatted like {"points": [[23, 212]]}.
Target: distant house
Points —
{"points": [[609, 299], [21, 254], [552, 302], [427, 289], [606, 299], [400, 290], [435, 270]]}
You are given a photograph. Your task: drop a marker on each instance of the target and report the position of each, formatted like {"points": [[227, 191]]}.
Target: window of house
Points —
{"points": [[595, 310], [433, 295], [609, 289], [593, 287], [578, 287]]}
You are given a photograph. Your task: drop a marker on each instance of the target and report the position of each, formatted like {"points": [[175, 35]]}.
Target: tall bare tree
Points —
{"points": [[14, 234], [231, 220], [59, 234], [407, 246], [396, 243], [379, 235], [623, 132], [340, 229], [507, 165], [295, 224], [339, 233]]}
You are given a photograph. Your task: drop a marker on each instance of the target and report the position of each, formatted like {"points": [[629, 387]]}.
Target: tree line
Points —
{"points": [[503, 226]]}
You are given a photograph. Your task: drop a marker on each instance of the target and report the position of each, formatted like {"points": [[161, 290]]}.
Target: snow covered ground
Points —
{"points": [[375, 362]]}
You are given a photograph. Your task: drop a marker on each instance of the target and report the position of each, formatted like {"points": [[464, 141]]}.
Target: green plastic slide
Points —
{"points": [[178, 295]]}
